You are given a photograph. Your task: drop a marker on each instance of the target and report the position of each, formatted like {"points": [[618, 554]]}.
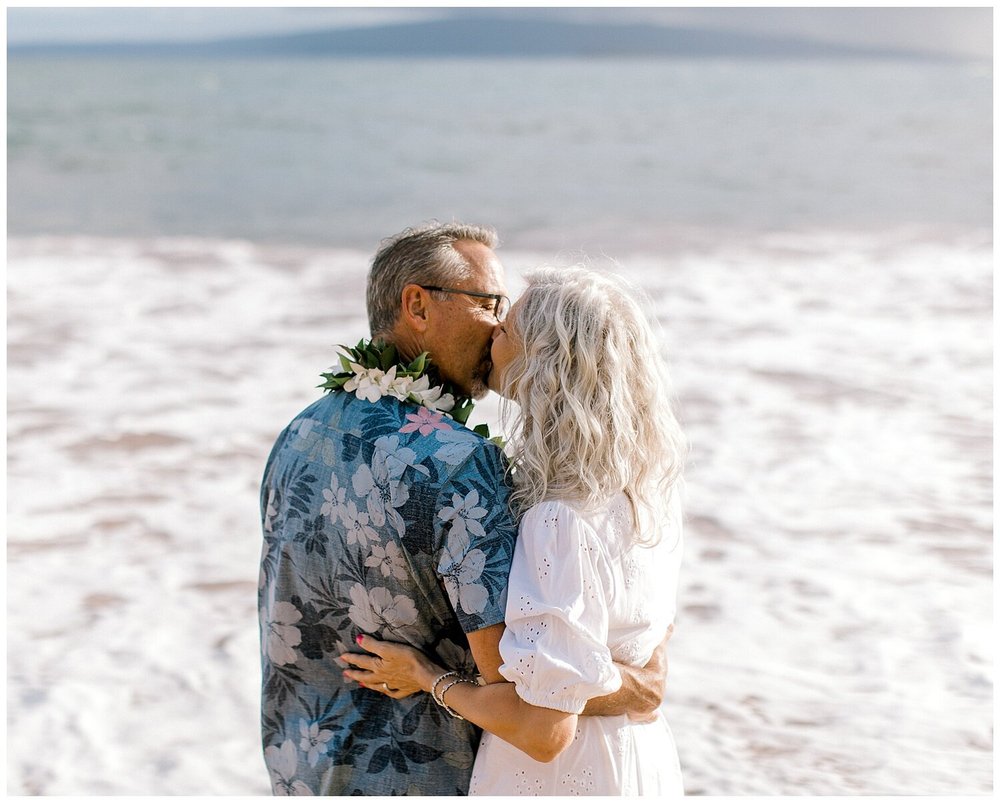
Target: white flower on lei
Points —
{"points": [[389, 560], [400, 386], [431, 397], [378, 608], [464, 514], [280, 633], [313, 741], [369, 384], [461, 568], [282, 762], [444, 404]]}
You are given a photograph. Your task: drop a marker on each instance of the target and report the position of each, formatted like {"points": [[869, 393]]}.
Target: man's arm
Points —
{"points": [[642, 688], [485, 647]]}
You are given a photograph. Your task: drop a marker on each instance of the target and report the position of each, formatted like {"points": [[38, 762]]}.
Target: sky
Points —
{"points": [[956, 31]]}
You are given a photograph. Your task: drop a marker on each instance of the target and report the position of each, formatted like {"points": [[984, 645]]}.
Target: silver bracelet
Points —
{"points": [[440, 701], [437, 681]]}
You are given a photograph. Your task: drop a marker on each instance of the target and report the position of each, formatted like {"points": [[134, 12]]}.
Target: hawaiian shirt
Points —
{"points": [[384, 519]]}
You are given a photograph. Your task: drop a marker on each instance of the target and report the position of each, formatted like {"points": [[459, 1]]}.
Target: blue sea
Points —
{"points": [[606, 156]]}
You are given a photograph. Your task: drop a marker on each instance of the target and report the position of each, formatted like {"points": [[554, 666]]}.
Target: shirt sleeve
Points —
{"points": [[476, 533], [555, 647]]}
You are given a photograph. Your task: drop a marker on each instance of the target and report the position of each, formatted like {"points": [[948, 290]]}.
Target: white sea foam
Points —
{"points": [[834, 626]]}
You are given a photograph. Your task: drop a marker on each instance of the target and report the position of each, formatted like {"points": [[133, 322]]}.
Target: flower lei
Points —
{"points": [[373, 370]]}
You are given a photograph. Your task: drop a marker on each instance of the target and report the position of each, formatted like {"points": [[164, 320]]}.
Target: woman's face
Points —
{"points": [[506, 346]]}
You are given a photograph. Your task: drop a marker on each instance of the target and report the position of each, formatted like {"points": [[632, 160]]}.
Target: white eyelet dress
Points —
{"points": [[580, 597]]}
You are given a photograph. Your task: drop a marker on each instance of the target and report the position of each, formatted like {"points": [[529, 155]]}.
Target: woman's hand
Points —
{"points": [[395, 670], [542, 733]]}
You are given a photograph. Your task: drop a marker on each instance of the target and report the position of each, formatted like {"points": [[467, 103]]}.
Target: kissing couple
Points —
{"points": [[443, 616]]}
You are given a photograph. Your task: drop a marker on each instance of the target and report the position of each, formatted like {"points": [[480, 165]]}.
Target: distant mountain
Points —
{"points": [[481, 37]]}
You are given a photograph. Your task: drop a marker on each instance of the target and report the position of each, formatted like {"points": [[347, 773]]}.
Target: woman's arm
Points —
{"points": [[541, 733]]}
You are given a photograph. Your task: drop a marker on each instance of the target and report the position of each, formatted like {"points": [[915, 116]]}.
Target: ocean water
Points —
{"points": [[595, 155], [189, 243]]}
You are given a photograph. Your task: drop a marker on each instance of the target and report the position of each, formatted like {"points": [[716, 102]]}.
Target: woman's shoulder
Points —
{"points": [[551, 512], [561, 524], [552, 517], [618, 525], [547, 506]]}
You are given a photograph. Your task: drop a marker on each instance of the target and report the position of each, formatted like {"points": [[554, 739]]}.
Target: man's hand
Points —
{"points": [[642, 689]]}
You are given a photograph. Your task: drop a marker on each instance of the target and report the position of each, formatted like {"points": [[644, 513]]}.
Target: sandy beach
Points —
{"points": [[834, 634]]}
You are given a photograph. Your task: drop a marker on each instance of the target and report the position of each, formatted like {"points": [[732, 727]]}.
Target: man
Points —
{"points": [[383, 517]]}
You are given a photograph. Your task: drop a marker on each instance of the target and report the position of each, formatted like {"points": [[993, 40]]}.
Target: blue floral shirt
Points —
{"points": [[385, 519]]}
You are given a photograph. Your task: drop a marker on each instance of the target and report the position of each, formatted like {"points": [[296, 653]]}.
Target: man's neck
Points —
{"points": [[407, 346]]}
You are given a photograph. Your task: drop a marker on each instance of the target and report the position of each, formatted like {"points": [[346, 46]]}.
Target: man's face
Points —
{"points": [[462, 326]]}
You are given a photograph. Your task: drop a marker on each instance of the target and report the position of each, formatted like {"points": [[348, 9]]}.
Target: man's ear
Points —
{"points": [[415, 308]]}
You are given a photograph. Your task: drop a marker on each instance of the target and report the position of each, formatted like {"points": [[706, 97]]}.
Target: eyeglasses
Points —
{"points": [[501, 304]]}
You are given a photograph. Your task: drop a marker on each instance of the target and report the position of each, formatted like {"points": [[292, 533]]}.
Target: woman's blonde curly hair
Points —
{"points": [[595, 415]]}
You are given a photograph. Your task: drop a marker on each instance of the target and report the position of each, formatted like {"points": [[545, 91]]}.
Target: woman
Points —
{"points": [[597, 458]]}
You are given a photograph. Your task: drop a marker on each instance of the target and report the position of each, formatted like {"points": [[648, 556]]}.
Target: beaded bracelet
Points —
{"points": [[434, 685], [445, 705]]}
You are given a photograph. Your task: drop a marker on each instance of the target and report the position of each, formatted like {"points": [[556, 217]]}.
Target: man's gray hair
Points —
{"points": [[420, 255]]}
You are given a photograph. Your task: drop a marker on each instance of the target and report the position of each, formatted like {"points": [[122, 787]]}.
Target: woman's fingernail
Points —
{"points": [[358, 639], [362, 685]]}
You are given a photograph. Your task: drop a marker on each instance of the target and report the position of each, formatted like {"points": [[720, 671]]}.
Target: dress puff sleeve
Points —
{"points": [[555, 646]]}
